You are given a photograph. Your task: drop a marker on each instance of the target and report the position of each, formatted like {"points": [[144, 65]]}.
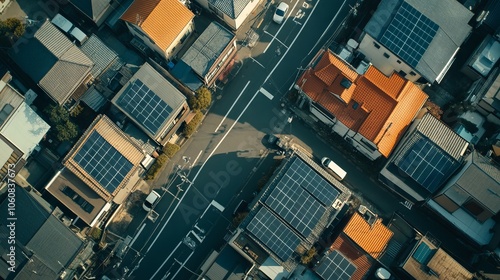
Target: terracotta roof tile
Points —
{"points": [[373, 239], [376, 106], [162, 20], [361, 260]]}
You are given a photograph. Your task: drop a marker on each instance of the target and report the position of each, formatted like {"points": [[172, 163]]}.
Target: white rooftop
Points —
{"points": [[25, 129]]}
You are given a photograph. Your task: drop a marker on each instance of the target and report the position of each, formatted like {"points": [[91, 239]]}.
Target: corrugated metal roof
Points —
{"points": [[154, 16], [207, 48], [99, 53], [442, 136], [92, 8], [121, 142], [53, 39], [94, 99], [481, 180], [371, 238], [231, 8]]}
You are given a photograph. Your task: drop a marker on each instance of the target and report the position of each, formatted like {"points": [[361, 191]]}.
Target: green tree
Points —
{"points": [[201, 100], [308, 256], [57, 114], [190, 128], [66, 131], [156, 167], [170, 149], [14, 27]]}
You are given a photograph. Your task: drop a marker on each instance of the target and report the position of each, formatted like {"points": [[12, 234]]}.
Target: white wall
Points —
{"points": [[385, 65], [233, 23]]}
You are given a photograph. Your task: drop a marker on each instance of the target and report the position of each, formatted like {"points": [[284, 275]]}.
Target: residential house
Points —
{"points": [[470, 199], [21, 128], [232, 12], [100, 171], [153, 104], [418, 39], [161, 25], [487, 18], [486, 96], [426, 261], [225, 264], [483, 59], [45, 247], [206, 59], [99, 53], [369, 110], [344, 260], [50, 55], [428, 155], [293, 210], [96, 10]]}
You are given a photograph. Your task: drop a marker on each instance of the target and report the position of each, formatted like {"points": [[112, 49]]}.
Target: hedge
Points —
{"points": [[190, 128], [156, 167], [171, 149]]}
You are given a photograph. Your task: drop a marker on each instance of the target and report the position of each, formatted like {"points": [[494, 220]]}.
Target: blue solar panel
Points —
{"points": [[335, 267], [280, 239], [303, 175], [103, 162], [142, 104], [409, 34], [427, 164], [295, 205], [423, 253]]}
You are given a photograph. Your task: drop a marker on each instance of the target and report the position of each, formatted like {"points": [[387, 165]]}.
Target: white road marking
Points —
{"points": [[255, 60], [329, 25], [266, 93], [220, 142], [265, 31], [282, 24], [137, 235], [169, 256], [234, 103], [182, 265], [196, 159]]}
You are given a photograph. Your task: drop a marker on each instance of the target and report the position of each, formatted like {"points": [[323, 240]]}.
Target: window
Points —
{"points": [[386, 55], [355, 105], [368, 145], [402, 73], [376, 45], [473, 207], [413, 73], [398, 61], [4, 114], [85, 205]]}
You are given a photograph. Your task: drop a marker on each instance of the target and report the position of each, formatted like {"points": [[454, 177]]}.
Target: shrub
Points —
{"points": [[95, 233], [156, 167], [66, 131], [171, 149], [190, 128], [201, 100], [308, 257]]}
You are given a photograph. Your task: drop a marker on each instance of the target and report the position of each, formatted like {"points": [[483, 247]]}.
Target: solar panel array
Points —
{"points": [[103, 162], [142, 104], [274, 234], [427, 164], [303, 175], [295, 205], [409, 34], [423, 253], [335, 267]]}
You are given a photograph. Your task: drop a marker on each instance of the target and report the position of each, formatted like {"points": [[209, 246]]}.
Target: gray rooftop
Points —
{"points": [[207, 48], [231, 8], [229, 265], [440, 134], [50, 55], [99, 53], [481, 180], [452, 19], [91, 8]]}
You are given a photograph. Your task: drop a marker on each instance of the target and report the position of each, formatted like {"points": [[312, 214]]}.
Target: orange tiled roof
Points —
{"points": [[376, 106], [373, 239], [359, 259], [162, 20]]}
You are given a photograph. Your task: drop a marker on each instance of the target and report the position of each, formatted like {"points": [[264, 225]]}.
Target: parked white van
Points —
{"points": [[331, 166], [150, 201]]}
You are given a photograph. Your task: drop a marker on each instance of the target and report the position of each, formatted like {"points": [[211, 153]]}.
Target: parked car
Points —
{"points": [[150, 201], [279, 14], [333, 168]]}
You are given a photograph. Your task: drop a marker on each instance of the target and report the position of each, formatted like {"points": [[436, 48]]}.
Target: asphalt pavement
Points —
{"points": [[228, 155]]}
